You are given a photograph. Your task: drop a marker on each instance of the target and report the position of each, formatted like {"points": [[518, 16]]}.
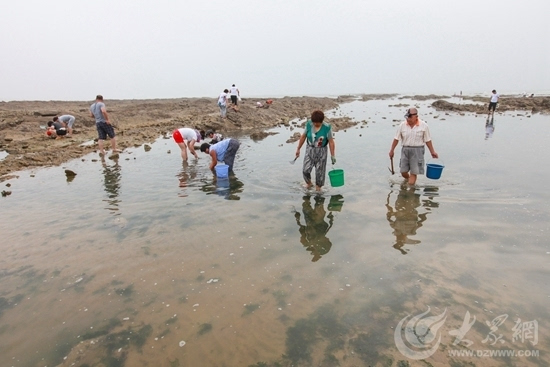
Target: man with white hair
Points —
{"points": [[413, 134]]}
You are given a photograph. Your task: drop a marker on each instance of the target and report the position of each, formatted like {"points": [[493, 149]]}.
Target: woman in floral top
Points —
{"points": [[318, 135]]}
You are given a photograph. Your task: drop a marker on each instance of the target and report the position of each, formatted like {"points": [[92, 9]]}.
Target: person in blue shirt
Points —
{"points": [[224, 151], [318, 135]]}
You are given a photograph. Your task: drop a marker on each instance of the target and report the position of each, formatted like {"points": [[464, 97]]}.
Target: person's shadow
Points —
{"points": [[313, 234], [111, 183], [489, 127], [405, 219]]}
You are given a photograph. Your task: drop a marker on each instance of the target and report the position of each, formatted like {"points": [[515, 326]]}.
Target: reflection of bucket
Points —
{"points": [[336, 203], [336, 177], [222, 170], [433, 170]]}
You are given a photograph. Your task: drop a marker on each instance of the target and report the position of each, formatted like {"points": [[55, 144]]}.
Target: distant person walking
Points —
{"points": [[68, 120], [222, 103], [103, 125], [494, 100], [413, 134], [235, 94], [318, 135], [186, 138], [224, 151]]}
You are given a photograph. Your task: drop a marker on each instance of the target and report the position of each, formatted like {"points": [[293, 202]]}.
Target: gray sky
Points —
{"points": [[73, 50]]}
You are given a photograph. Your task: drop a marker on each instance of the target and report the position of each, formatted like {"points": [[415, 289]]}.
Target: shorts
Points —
{"points": [[104, 129], [234, 100], [61, 132], [492, 106], [177, 136], [412, 160]]}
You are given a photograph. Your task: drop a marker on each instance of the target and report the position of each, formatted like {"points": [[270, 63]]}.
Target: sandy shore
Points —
{"points": [[142, 121]]}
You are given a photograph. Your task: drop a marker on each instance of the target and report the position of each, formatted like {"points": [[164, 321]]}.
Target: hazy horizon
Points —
{"points": [[70, 51]]}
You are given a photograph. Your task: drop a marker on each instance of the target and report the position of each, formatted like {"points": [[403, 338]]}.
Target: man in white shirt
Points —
{"points": [[494, 100], [413, 134], [222, 103], [235, 97]]}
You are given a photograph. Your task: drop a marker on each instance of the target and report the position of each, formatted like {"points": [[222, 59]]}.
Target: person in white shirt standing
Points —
{"points": [[222, 103], [494, 100], [413, 134], [235, 97]]}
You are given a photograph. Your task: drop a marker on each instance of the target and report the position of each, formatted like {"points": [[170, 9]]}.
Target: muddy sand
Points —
{"points": [[136, 122]]}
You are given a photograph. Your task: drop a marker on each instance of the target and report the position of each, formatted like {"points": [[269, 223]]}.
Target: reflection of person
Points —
{"points": [[413, 134], [405, 219], [188, 173], [112, 183], [228, 188], [489, 128], [494, 100], [186, 138], [222, 103], [313, 235], [68, 120], [56, 129], [318, 135], [235, 97], [102, 123], [224, 151]]}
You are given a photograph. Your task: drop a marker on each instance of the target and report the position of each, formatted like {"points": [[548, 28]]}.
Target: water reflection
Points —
{"points": [[313, 234], [489, 127], [228, 188], [188, 173], [404, 218], [111, 182]]}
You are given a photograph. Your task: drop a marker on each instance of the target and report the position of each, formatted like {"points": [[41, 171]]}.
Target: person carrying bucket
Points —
{"points": [[413, 134], [318, 135], [224, 151]]}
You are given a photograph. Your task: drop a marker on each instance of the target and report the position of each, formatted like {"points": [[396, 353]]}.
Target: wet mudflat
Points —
{"points": [[147, 261]]}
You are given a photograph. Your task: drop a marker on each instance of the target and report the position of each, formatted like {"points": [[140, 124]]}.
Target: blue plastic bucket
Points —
{"points": [[433, 170], [222, 170]]}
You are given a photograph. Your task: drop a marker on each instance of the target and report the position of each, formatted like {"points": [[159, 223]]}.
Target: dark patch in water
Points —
{"points": [[126, 292], [280, 298], [248, 309], [6, 304], [468, 281], [204, 328], [302, 337]]}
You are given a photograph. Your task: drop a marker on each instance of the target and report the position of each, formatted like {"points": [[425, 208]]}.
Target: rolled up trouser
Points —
{"points": [[230, 153], [315, 157]]}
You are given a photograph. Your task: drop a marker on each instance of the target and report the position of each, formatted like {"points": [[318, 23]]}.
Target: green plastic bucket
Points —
{"points": [[433, 170], [336, 177]]}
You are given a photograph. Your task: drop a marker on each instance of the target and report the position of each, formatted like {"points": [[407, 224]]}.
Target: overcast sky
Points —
{"points": [[73, 49]]}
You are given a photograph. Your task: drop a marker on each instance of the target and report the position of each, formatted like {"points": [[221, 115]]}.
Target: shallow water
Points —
{"points": [[131, 258]]}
